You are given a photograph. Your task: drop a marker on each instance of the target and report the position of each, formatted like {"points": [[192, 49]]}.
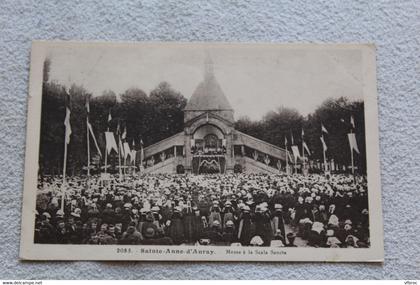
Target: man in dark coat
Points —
{"points": [[263, 224], [246, 227], [278, 220], [176, 227]]}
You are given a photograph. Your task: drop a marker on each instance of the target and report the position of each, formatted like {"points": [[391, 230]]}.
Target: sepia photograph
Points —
{"points": [[202, 151]]}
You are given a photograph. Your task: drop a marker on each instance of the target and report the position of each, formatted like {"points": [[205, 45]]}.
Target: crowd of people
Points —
{"points": [[214, 209]]}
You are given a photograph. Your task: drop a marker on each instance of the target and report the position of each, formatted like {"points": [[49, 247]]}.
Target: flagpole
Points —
{"points": [[125, 165], [352, 162], [106, 149], [63, 186], [325, 160], [67, 134], [303, 153], [106, 158], [119, 156], [134, 163], [88, 148], [287, 163]]}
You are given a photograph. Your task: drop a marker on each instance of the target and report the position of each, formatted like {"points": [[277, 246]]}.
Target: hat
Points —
{"points": [[149, 232], [317, 227], [333, 220], [235, 244], [143, 211], [155, 209], [216, 223], [290, 235], [348, 221], [60, 213], [109, 205], [330, 233], [278, 206], [229, 224], [47, 215], [228, 203], [276, 243], [128, 205], [257, 241], [76, 213], [246, 208], [332, 241]]}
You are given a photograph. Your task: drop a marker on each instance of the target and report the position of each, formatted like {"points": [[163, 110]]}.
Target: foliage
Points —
{"points": [[334, 114], [148, 118], [158, 115]]}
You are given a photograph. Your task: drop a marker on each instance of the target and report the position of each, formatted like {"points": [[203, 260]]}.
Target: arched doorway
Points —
{"points": [[208, 140], [208, 147]]}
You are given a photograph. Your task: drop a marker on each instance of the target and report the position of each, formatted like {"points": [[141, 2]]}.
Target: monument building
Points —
{"points": [[209, 142]]}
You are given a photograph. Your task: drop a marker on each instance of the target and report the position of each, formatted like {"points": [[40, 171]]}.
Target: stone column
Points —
{"points": [[188, 155], [230, 160]]}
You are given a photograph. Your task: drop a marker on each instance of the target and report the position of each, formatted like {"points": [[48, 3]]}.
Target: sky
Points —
{"points": [[256, 78]]}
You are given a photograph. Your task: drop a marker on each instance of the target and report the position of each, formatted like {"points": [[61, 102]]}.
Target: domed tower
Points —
{"points": [[208, 125], [208, 97]]}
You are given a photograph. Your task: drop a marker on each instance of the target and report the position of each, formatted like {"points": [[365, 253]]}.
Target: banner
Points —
{"points": [[323, 129], [324, 145], [121, 147], [133, 156], [305, 147], [94, 139], [67, 119], [111, 144], [352, 142], [295, 151], [127, 150]]}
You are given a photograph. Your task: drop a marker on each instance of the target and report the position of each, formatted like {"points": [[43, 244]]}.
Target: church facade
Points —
{"points": [[209, 142]]}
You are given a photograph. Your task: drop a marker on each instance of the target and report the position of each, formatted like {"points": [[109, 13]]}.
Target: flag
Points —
{"points": [[67, 119], [94, 139], [133, 153], [124, 134], [353, 142], [121, 147], [291, 135], [290, 157], [141, 151], [323, 129], [109, 116], [303, 133], [324, 145], [285, 141], [110, 142], [127, 150], [87, 105], [133, 156], [305, 147], [295, 151], [118, 128], [352, 122]]}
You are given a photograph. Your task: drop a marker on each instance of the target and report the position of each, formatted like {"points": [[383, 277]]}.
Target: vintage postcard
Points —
{"points": [[202, 151]]}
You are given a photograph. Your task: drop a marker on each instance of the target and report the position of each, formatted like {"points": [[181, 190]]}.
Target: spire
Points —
{"points": [[208, 67], [208, 95]]}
